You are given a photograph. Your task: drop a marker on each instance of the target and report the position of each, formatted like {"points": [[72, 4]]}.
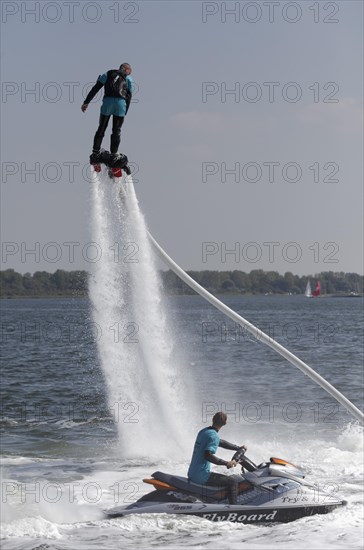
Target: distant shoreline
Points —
{"points": [[169, 294], [74, 284]]}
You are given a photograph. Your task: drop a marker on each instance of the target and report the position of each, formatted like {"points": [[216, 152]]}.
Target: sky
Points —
{"points": [[244, 134]]}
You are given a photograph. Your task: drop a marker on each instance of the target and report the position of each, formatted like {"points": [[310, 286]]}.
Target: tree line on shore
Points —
{"points": [[75, 283]]}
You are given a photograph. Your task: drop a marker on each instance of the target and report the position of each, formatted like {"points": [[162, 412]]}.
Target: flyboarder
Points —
{"points": [[118, 87]]}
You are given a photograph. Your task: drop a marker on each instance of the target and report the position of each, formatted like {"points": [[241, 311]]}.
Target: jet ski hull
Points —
{"points": [[236, 514]]}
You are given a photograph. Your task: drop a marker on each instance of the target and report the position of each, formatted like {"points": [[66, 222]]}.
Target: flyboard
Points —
{"points": [[114, 165]]}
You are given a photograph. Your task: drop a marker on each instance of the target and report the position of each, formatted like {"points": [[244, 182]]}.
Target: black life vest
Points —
{"points": [[116, 84]]}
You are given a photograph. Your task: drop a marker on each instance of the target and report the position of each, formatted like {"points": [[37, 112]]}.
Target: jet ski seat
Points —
{"points": [[205, 491], [184, 484]]}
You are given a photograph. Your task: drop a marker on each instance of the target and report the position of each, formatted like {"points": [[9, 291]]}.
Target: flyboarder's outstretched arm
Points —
{"points": [[91, 95]]}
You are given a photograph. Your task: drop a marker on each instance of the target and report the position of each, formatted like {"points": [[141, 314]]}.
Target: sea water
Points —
{"points": [[98, 394]]}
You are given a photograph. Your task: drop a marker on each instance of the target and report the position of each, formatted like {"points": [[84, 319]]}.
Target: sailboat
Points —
{"points": [[317, 290], [315, 293], [308, 292]]}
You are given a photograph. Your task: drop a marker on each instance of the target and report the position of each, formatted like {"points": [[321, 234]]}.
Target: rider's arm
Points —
{"points": [[214, 459], [93, 92], [129, 93], [230, 446]]}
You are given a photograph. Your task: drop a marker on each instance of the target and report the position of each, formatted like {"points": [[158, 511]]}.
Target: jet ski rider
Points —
{"points": [[206, 445]]}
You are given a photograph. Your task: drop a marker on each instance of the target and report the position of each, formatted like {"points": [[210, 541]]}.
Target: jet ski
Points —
{"points": [[271, 492]]}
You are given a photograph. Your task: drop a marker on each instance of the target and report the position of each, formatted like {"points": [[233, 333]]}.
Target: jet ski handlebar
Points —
{"points": [[244, 461]]}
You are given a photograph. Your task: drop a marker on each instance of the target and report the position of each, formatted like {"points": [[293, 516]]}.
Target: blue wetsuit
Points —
{"points": [[115, 103], [112, 104], [207, 442]]}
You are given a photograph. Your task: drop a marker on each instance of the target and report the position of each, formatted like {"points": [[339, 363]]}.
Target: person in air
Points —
{"points": [[118, 88], [206, 445]]}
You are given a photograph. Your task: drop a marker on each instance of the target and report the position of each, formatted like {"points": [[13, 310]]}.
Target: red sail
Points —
{"points": [[317, 290]]}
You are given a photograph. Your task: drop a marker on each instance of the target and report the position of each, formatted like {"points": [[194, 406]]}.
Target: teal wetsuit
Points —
{"points": [[203, 455], [114, 105], [118, 92], [207, 440], [206, 445]]}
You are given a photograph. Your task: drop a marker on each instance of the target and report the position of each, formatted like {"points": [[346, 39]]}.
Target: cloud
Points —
{"points": [[345, 116]]}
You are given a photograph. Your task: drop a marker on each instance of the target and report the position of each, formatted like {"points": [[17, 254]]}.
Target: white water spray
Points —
{"points": [[135, 341]]}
